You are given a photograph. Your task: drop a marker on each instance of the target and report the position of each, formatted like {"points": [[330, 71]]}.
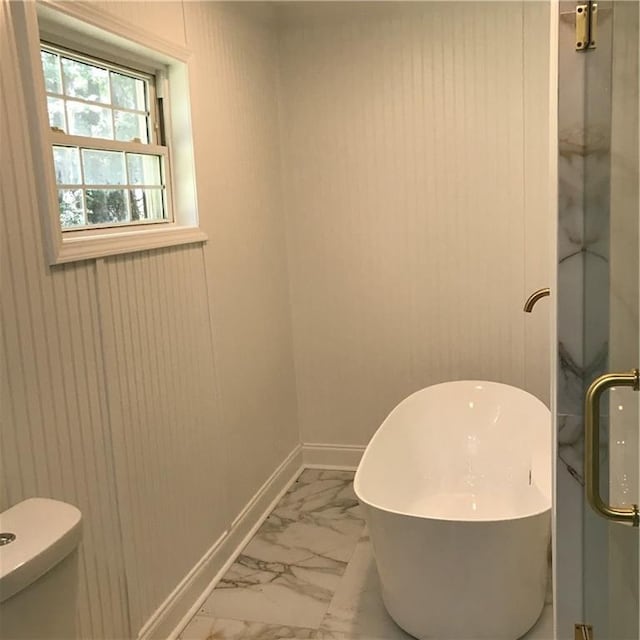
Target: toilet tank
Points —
{"points": [[39, 541]]}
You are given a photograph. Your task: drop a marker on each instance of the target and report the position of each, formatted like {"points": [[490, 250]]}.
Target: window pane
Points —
{"points": [[127, 92], [67, 164], [146, 204], [51, 70], [55, 107], [103, 167], [106, 206], [88, 120], [130, 126], [71, 211], [85, 81], [143, 169]]}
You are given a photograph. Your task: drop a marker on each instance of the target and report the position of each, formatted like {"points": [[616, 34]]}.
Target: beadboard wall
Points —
{"points": [[155, 390], [415, 152], [240, 195]]}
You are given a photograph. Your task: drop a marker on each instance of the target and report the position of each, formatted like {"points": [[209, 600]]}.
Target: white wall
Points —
{"points": [[156, 390], [235, 114], [415, 154]]}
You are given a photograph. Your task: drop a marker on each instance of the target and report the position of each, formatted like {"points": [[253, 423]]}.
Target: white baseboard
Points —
{"points": [[331, 456], [170, 618]]}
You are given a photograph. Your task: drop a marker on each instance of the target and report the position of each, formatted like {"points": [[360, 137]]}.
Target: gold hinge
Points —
{"points": [[586, 25], [583, 632]]}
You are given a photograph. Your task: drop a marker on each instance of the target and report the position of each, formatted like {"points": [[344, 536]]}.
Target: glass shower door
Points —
{"points": [[611, 327]]}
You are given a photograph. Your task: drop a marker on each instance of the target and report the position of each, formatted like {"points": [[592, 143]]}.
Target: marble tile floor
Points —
{"points": [[308, 573]]}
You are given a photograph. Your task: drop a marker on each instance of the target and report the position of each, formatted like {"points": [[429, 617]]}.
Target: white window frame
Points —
{"points": [[80, 27]]}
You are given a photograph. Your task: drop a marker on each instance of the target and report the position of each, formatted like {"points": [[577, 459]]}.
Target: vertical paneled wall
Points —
{"points": [[155, 390], [539, 223], [56, 439], [169, 443], [412, 184], [235, 115]]}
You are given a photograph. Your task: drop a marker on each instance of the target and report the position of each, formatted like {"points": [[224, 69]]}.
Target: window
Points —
{"points": [[110, 163], [109, 116]]}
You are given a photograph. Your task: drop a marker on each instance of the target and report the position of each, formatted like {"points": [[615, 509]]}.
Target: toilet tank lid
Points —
{"points": [[46, 531]]}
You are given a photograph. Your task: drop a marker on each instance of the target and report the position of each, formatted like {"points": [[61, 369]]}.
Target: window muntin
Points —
{"points": [[88, 97], [109, 169]]}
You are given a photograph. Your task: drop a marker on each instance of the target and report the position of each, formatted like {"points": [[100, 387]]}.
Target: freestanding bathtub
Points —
{"points": [[456, 491]]}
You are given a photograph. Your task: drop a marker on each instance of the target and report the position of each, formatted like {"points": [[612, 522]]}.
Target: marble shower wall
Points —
{"points": [[583, 238], [584, 123]]}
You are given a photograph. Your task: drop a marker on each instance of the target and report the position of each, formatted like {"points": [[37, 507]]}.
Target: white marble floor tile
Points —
{"points": [[205, 628], [331, 538], [290, 570], [309, 573], [320, 495], [357, 611], [295, 591]]}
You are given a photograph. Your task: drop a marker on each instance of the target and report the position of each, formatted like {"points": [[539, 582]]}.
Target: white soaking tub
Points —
{"points": [[456, 490]]}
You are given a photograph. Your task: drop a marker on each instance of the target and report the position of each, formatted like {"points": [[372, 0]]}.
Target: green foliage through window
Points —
{"points": [[101, 186]]}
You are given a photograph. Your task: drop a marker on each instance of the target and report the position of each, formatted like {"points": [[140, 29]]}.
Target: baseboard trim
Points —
{"points": [[169, 619], [331, 456]]}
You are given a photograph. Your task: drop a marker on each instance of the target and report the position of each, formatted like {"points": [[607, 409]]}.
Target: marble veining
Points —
{"points": [[322, 497], [571, 445], [569, 383], [308, 573], [205, 628], [583, 173], [289, 571]]}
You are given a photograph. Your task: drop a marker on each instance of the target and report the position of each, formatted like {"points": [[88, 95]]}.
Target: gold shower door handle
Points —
{"points": [[626, 515]]}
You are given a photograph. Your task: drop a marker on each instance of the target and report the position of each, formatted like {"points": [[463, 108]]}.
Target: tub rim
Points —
{"points": [[547, 500]]}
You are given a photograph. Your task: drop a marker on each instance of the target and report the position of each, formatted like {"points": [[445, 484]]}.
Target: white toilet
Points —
{"points": [[39, 570]]}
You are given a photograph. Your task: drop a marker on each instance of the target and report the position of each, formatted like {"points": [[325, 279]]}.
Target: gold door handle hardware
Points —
{"points": [[534, 297], [626, 515]]}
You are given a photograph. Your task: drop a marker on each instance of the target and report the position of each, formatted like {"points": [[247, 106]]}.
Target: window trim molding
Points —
{"points": [[88, 23], [82, 17]]}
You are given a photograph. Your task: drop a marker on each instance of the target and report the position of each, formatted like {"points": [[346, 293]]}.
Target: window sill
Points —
{"points": [[87, 247]]}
